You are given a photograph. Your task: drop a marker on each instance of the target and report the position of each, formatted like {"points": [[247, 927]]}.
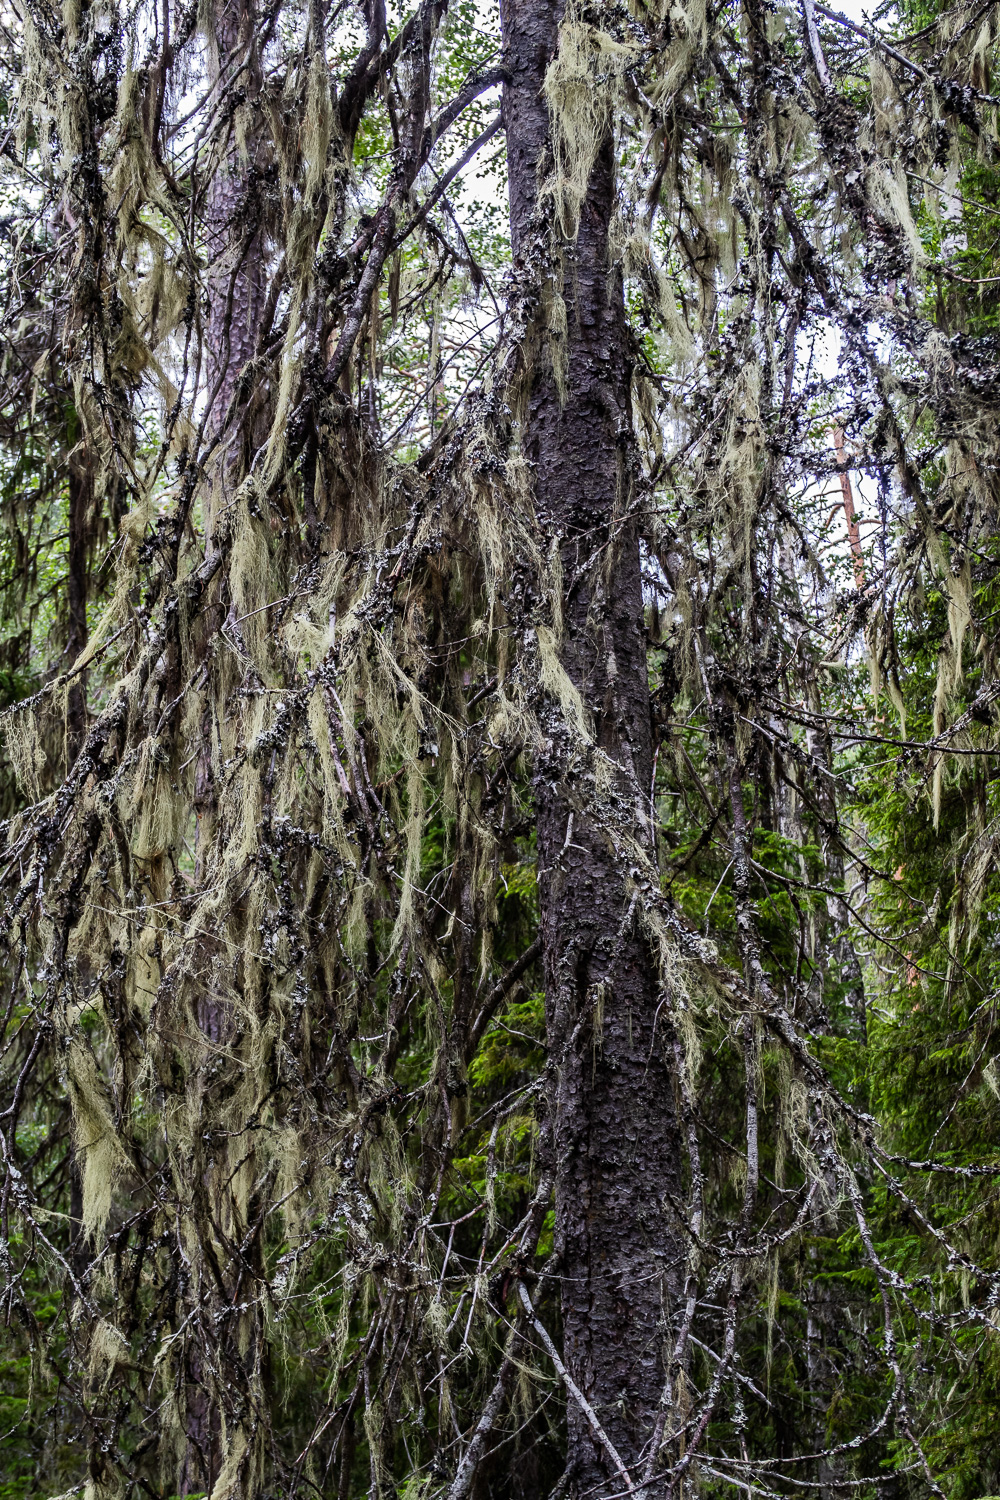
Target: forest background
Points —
{"points": [[498, 583]]}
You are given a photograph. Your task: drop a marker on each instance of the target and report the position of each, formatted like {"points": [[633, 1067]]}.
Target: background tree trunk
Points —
{"points": [[77, 590], [614, 1127], [236, 274]]}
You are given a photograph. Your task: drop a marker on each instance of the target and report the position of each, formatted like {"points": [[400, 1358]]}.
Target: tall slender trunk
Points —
{"points": [[615, 1135], [236, 281], [236, 286], [77, 588], [76, 731]]}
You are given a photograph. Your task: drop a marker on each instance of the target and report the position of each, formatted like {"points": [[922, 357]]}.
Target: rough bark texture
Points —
{"points": [[614, 1127], [77, 585], [236, 276]]}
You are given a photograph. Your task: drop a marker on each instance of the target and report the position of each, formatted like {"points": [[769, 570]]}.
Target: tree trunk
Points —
{"points": [[236, 286], [236, 294], [236, 282], [80, 488], [614, 1128]]}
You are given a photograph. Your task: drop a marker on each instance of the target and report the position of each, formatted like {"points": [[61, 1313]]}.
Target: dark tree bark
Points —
{"points": [[235, 283], [77, 587], [236, 287], [76, 730], [614, 1128], [236, 279]]}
